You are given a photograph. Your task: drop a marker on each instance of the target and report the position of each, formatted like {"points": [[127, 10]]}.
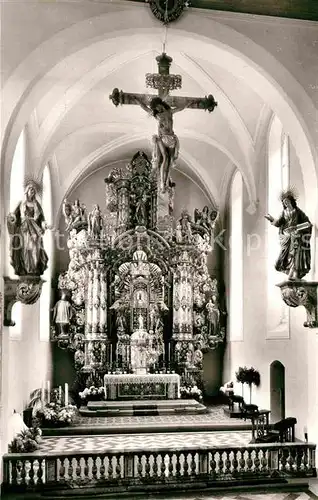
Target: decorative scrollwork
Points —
{"points": [[26, 289], [302, 293]]}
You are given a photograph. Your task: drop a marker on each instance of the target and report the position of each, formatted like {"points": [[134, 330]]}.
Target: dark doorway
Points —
{"points": [[277, 388]]}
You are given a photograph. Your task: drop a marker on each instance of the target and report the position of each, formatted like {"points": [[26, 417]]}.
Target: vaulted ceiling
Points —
{"points": [[65, 59]]}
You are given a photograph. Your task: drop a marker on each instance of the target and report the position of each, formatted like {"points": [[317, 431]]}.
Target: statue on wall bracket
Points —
{"points": [[294, 259], [26, 226]]}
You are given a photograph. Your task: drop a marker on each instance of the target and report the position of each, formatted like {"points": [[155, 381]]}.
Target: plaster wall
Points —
{"points": [[297, 353], [28, 364]]}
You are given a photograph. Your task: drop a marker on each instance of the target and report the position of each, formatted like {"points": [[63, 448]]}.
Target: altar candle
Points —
{"points": [[48, 391], [111, 355], [42, 393], [66, 394], [169, 352], [60, 393]]}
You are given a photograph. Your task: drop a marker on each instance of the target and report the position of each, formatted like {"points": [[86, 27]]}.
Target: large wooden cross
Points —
{"points": [[162, 107], [163, 81]]}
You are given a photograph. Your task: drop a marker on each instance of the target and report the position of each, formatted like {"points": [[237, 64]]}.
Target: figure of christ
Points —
{"points": [[166, 143]]}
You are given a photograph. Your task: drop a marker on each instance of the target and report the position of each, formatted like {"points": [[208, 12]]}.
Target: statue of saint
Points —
{"points": [[95, 223], [206, 218], [185, 224], [166, 143], [140, 322], [74, 215], [26, 226], [152, 316], [213, 317], [62, 314], [178, 233], [120, 322], [294, 237]]}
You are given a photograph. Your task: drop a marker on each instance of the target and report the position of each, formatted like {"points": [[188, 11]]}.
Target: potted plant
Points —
{"points": [[248, 376], [26, 441], [252, 377]]}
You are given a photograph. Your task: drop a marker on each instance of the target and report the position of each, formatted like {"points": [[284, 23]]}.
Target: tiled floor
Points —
{"points": [[146, 441], [209, 496]]}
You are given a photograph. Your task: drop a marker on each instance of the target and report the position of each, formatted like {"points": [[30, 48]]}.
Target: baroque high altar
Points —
{"points": [[138, 292]]}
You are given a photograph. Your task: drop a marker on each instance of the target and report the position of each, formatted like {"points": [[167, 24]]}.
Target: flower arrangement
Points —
{"points": [[26, 441], [93, 393], [55, 415], [188, 391]]}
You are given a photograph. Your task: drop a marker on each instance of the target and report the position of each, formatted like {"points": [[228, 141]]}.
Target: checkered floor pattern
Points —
{"points": [[121, 442], [216, 415], [243, 496]]}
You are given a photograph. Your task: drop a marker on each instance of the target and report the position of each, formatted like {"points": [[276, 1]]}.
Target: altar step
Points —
{"points": [[142, 408]]}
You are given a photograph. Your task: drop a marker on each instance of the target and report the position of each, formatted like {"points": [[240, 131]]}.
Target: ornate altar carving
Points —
{"points": [[139, 285], [302, 293]]}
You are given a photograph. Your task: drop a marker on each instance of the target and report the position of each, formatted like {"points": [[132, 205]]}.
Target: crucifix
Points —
{"points": [[162, 107]]}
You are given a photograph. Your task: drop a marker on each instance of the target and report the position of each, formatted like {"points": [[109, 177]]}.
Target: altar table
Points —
{"points": [[148, 386]]}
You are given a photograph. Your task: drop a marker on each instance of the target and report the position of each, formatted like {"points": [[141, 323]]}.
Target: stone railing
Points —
{"points": [[139, 468]]}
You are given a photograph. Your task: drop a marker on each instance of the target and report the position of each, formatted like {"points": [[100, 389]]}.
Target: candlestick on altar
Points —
{"points": [[66, 394], [48, 391], [111, 356], [169, 352], [60, 393]]}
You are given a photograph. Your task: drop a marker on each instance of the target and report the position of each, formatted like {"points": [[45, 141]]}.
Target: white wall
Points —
{"points": [[298, 353]]}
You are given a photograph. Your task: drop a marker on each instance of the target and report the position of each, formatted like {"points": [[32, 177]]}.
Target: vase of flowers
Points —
{"points": [[56, 415], [26, 441], [191, 392], [92, 393]]}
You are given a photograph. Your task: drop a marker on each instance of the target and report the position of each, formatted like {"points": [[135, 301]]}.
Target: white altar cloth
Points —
{"points": [[148, 386]]}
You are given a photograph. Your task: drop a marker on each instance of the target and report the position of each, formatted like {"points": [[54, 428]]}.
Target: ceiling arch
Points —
{"points": [[209, 38]]}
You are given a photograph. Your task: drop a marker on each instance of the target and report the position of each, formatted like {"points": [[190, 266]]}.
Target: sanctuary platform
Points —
{"points": [[140, 408]]}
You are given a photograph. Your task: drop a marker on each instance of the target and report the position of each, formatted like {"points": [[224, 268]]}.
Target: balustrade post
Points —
{"points": [[203, 462], [312, 452], [128, 466], [274, 460], [51, 470]]}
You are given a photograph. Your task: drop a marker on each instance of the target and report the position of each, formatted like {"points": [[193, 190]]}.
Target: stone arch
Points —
{"points": [[230, 48]]}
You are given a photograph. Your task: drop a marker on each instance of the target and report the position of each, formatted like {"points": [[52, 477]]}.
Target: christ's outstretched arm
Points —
{"points": [[143, 105]]}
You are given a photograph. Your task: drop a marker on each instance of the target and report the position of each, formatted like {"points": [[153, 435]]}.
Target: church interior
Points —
{"points": [[159, 263]]}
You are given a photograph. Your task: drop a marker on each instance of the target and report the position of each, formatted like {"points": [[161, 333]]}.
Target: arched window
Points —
{"points": [[16, 195], [236, 258], [45, 299], [277, 180]]}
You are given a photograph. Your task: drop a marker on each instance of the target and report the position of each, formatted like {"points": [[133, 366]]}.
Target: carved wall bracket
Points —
{"points": [[25, 289], [302, 293]]}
